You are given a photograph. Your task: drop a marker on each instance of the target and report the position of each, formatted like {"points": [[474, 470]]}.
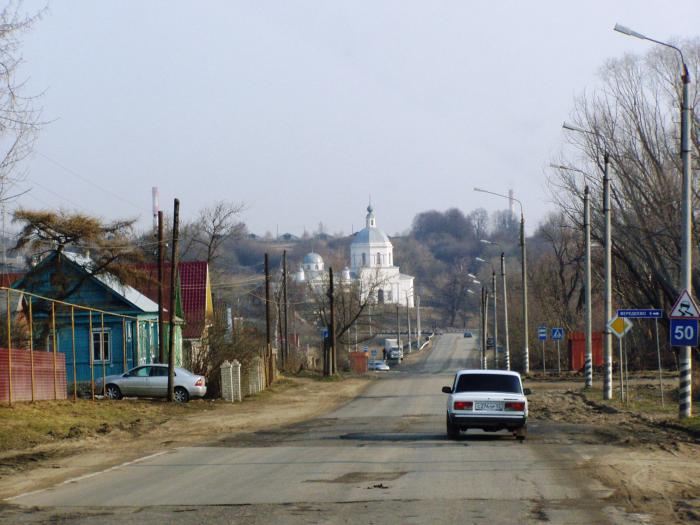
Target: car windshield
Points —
{"points": [[488, 383]]}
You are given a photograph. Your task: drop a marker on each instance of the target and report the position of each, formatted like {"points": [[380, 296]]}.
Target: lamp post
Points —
{"points": [[495, 311], [505, 301], [607, 314], [588, 367], [523, 255], [686, 282]]}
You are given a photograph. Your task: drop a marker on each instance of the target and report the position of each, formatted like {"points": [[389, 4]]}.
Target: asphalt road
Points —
{"points": [[382, 458]]}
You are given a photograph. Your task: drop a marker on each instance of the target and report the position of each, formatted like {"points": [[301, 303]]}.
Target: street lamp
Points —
{"points": [[607, 314], [588, 368], [495, 310], [685, 374], [523, 255], [505, 299]]}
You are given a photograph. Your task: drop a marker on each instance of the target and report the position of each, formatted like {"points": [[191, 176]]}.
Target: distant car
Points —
{"points": [[491, 400], [379, 366], [467, 334], [152, 381]]}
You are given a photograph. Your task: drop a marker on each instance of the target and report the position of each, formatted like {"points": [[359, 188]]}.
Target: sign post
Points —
{"points": [[558, 335], [542, 336], [620, 326], [649, 313]]}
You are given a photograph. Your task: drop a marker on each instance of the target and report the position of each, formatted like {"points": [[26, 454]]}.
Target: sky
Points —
{"points": [[302, 110]]}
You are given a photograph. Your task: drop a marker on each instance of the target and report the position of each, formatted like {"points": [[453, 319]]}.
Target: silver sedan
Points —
{"points": [[152, 381]]}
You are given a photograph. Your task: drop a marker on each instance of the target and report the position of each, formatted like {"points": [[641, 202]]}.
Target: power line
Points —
{"points": [[91, 182]]}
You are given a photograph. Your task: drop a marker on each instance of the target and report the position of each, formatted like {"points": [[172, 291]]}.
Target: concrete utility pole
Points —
{"points": [[173, 283], [588, 370], [607, 312], [523, 250], [398, 327], [408, 324], [268, 332], [607, 349], [418, 329], [161, 317], [523, 254], [484, 325], [686, 283], [505, 309], [495, 319]]}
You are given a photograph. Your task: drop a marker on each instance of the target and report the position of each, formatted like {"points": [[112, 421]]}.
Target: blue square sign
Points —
{"points": [[684, 332]]}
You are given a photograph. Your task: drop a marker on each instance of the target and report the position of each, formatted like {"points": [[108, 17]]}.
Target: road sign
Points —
{"points": [[365, 348], [325, 333], [685, 307], [620, 326], [557, 334], [684, 332], [542, 333], [641, 313], [374, 352], [489, 342]]}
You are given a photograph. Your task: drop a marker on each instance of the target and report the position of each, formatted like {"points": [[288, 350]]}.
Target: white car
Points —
{"points": [[491, 400], [377, 365]]}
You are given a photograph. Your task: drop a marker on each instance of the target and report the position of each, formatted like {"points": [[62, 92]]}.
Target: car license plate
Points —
{"points": [[488, 405]]}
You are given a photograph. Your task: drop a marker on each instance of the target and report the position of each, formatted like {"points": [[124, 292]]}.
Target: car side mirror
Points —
{"points": [[447, 389], [125, 374], [527, 391]]}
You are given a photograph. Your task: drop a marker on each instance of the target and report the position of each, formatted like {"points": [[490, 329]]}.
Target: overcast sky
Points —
{"points": [[303, 109]]}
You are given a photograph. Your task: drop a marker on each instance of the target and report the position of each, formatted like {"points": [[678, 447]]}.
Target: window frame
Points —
{"points": [[102, 359]]}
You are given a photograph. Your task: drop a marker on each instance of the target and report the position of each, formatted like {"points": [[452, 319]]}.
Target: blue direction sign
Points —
{"points": [[641, 313], [557, 334], [325, 333], [684, 332], [542, 333], [374, 352]]}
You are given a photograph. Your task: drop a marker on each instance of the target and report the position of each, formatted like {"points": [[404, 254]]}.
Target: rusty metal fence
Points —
{"points": [[36, 326]]}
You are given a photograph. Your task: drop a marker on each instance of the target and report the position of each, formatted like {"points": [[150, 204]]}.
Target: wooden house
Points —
{"points": [[110, 327]]}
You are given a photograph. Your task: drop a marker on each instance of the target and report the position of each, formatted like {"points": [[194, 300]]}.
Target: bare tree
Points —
{"points": [[19, 114], [213, 227]]}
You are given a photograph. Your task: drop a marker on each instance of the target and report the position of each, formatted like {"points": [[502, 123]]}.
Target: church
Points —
{"points": [[371, 263]]}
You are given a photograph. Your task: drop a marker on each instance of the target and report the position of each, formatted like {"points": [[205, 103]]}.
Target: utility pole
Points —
{"points": [[285, 347], [173, 283], [268, 335], [331, 329], [588, 370], [685, 397], [523, 254], [607, 336], [398, 327], [484, 325], [505, 309], [161, 319], [495, 319], [419, 335], [408, 324]]}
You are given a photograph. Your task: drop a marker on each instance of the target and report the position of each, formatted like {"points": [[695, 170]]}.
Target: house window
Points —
{"points": [[101, 345], [380, 295], [388, 296], [364, 259], [379, 259]]}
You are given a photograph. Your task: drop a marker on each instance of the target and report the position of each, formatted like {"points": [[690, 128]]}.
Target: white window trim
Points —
{"points": [[98, 330]]}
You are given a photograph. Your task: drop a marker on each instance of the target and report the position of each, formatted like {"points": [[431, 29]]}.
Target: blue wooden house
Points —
{"points": [[109, 326]]}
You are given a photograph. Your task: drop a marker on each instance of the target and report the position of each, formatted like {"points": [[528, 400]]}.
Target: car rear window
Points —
{"points": [[488, 383]]}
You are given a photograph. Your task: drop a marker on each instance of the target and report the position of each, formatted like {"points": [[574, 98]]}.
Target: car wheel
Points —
{"points": [[452, 430], [521, 433], [181, 395], [113, 392]]}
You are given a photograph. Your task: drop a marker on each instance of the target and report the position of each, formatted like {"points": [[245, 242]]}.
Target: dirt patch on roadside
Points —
{"points": [[288, 401], [650, 462]]}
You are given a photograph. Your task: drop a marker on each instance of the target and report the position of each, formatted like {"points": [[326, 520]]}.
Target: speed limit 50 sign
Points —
{"points": [[684, 332]]}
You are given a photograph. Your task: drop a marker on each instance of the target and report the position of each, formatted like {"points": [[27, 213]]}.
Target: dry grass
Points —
{"points": [[25, 425]]}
